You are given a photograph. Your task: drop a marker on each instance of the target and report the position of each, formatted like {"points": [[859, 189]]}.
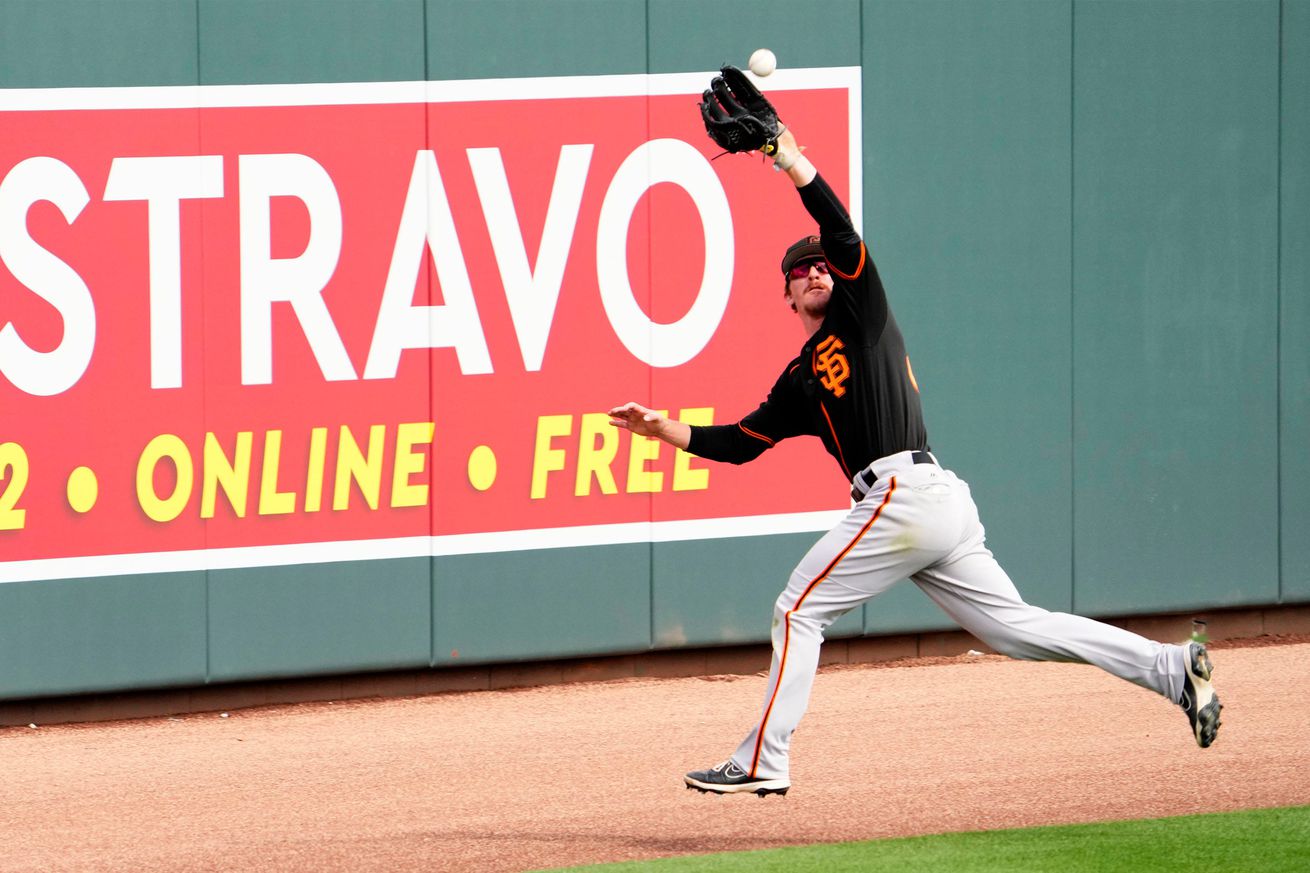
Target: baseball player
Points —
{"points": [[852, 387]]}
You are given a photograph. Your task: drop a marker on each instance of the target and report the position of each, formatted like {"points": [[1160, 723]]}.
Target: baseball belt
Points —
{"points": [[863, 480]]}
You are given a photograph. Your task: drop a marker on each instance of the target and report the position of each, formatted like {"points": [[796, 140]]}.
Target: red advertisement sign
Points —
{"points": [[277, 324]]}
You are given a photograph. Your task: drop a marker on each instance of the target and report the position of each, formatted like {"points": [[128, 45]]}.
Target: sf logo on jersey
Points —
{"points": [[831, 365]]}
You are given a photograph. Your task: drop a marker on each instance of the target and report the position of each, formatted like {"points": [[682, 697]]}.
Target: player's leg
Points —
{"points": [[971, 587], [976, 592], [760, 763], [868, 551], [799, 623]]}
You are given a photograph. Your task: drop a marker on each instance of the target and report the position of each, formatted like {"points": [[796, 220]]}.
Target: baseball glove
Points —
{"points": [[737, 116]]}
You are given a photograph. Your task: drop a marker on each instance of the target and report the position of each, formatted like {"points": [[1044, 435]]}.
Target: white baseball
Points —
{"points": [[763, 62]]}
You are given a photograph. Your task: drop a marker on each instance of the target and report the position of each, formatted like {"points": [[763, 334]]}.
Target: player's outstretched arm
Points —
{"points": [[790, 159], [841, 242], [649, 423]]}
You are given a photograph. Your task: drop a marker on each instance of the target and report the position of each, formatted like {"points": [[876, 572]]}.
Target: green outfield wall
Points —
{"points": [[1093, 220]]}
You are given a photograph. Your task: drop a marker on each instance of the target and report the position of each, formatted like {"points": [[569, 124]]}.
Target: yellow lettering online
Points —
{"points": [[314, 474], [233, 475], [271, 500], [410, 463], [170, 446], [352, 465]]}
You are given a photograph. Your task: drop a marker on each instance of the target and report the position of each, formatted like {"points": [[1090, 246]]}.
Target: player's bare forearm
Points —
{"points": [[792, 160], [649, 423]]}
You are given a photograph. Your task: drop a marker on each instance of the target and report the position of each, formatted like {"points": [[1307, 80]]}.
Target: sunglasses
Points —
{"points": [[800, 271]]}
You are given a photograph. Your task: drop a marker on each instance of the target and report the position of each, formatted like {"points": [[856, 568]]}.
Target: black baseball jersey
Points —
{"points": [[851, 385]]}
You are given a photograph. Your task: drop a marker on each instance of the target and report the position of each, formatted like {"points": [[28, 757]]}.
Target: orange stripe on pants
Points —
{"points": [[786, 637]]}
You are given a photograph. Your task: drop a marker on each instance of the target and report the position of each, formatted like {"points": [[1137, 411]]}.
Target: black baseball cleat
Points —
{"points": [[728, 778], [1199, 700]]}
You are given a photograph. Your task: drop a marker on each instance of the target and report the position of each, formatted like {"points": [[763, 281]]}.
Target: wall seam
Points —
{"points": [[864, 223], [1073, 334], [1278, 313], [432, 406], [650, 382], [204, 403]]}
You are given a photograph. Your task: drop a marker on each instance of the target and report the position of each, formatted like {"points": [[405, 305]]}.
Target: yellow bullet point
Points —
{"points": [[83, 489], [482, 468]]}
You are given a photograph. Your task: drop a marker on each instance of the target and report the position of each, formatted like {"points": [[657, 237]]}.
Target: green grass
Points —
{"points": [[1254, 841]]}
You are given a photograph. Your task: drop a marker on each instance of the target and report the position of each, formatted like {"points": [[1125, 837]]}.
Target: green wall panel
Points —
{"points": [[551, 603], [278, 41], [967, 168], [689, 35], [96, 43], [713, 592], [1294, 294], [319, 618], [70, 636], [1175, 156], [494, 39]]}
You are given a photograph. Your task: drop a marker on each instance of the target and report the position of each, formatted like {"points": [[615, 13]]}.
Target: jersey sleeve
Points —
{"points": [[780, 416], [842, 245], [846, 253]]}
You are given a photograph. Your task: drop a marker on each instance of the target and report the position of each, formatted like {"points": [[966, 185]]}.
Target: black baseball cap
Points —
{"points": [[806, 248]]}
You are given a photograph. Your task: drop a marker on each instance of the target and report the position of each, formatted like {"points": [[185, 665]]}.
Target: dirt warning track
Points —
{"points": [[523, 779]]}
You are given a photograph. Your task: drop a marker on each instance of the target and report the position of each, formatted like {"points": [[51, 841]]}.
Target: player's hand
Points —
{"points": [[737, 116], [638, 419]]}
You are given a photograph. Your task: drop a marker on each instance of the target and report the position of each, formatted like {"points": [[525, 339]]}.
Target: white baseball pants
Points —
{"points": [[919, 521]]}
